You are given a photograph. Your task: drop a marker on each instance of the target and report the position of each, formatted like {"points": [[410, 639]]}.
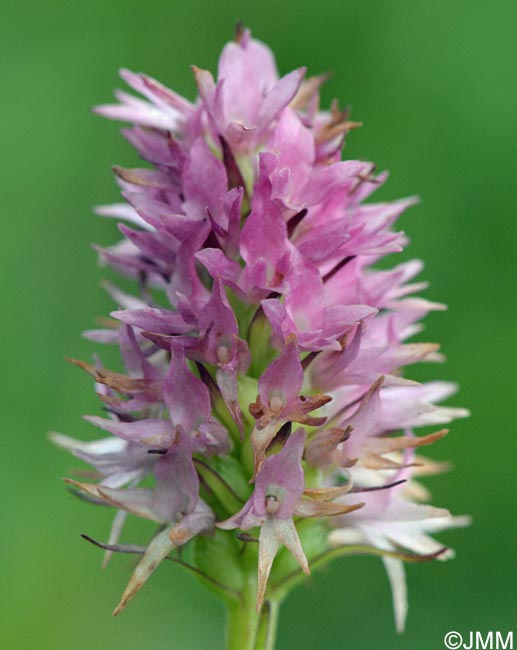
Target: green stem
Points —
{"points": [[249, 630], [241, 626], [268, 624]]}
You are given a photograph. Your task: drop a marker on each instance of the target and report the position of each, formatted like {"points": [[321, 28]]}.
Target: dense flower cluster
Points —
{"points": [[259, 307]]}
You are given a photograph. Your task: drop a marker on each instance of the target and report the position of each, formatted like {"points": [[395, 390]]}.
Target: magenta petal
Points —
{"points": [[264, 235], [185, 395], [282, 381], [177, 484], [204, 181], [163, 321], [281, 478], [152, 432], [364, 421], [278, 97], [249, 69]]}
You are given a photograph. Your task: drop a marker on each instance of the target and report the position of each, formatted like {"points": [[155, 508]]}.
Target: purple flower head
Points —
{"points": [[258, 303]]}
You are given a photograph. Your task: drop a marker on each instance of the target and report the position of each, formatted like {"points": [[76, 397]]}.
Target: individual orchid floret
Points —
{"points": [[277, 497], [174, 502], [221, 347], [280, 401], [217, 343], [138, 392], [166, 109], [188, 402], [119, 463], [176, 487], [390, 521], [321, 326], [278, 489], [248, 97], [263, 246], [363, 361], [362, 437]]}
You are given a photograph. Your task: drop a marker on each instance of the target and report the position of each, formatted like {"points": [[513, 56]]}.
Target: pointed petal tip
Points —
{"points": [[126, 74], [119, 608], [199, 73], [58, 439]]}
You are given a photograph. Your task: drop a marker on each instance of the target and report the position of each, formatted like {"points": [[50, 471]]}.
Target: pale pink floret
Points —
{"points": [[390, 521], [243, 112]]}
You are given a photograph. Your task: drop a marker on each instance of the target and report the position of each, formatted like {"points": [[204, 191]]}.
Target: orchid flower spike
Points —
{"points": [[258, 305]]}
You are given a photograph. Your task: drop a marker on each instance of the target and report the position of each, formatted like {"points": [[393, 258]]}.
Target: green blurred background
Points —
{"points": [[434, 84]]}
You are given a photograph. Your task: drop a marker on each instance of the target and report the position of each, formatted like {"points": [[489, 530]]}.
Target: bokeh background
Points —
{"points": [[434, 85]]}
